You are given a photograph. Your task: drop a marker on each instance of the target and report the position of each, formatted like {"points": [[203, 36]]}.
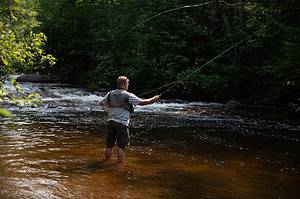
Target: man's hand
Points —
{"points": [[155, 98], [100, 103], [103, 105]]}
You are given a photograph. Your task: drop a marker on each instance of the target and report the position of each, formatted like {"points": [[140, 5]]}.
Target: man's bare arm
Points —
{"points": [[149, 100]]}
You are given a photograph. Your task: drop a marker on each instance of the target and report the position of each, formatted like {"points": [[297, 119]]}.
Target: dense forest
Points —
{"points": [[155, 42]]}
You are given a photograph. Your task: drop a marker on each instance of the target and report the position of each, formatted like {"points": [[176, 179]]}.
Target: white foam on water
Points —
{"points": [[172, 107], [72, 97], [60, 98]]}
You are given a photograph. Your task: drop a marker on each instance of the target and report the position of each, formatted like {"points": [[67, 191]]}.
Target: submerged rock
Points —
{"points": [[232, 104]]}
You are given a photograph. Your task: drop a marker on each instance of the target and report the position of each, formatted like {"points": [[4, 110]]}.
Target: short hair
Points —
{"points": [[121, 81]]}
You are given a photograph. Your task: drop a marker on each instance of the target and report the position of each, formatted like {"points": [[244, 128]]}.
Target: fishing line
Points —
{"points": [[162, 13], [173, 84], [168, 11], [175, 9]]}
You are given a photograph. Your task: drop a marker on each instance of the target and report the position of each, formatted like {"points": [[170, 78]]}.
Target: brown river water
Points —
{"points": [[178, 150]]}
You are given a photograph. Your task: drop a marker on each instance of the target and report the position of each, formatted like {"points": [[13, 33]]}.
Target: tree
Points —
{"points": [[96, 40], [21, 48]]}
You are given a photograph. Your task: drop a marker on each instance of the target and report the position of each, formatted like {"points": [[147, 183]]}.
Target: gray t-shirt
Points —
{"points": [[118, 114]]}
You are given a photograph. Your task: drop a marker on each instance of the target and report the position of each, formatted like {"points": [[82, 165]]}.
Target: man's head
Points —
{"points": [[122, 82]]}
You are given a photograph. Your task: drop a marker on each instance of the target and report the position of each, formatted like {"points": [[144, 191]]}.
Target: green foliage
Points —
{"points": [[15, 95], [201, 85], [21, 49], [4, 113], [95, 41]]}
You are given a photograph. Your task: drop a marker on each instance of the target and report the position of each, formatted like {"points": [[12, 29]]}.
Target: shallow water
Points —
{"points": [[178, 150]]}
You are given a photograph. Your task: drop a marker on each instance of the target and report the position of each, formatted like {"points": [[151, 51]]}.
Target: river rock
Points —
{"points": [[232, 104], [38, 78]]}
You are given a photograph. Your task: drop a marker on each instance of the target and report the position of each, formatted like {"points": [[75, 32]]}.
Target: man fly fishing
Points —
{"points": [[120, 106]]}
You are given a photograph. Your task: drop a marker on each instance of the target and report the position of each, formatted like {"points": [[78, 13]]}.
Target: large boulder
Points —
{"points": [[38, 78]]}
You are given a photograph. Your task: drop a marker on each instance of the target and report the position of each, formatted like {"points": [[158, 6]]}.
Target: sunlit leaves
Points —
{"points": [[5, 113], [13, 94], [19, 45]]}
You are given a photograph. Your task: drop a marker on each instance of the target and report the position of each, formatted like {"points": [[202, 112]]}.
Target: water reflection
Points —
{"points": [[65, 161]]}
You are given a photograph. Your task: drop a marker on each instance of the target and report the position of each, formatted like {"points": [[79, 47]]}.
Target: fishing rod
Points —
{"points": [[173, 84]]}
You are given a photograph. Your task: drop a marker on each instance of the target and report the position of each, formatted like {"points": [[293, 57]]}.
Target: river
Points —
{"points": [[178, 150]]}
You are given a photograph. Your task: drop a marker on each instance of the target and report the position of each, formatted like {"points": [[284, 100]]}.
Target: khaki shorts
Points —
{"points": [[117, 133]]}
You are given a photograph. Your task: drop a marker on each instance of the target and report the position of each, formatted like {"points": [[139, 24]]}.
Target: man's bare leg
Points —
{"points": [[108, 153], [121, 155]]}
